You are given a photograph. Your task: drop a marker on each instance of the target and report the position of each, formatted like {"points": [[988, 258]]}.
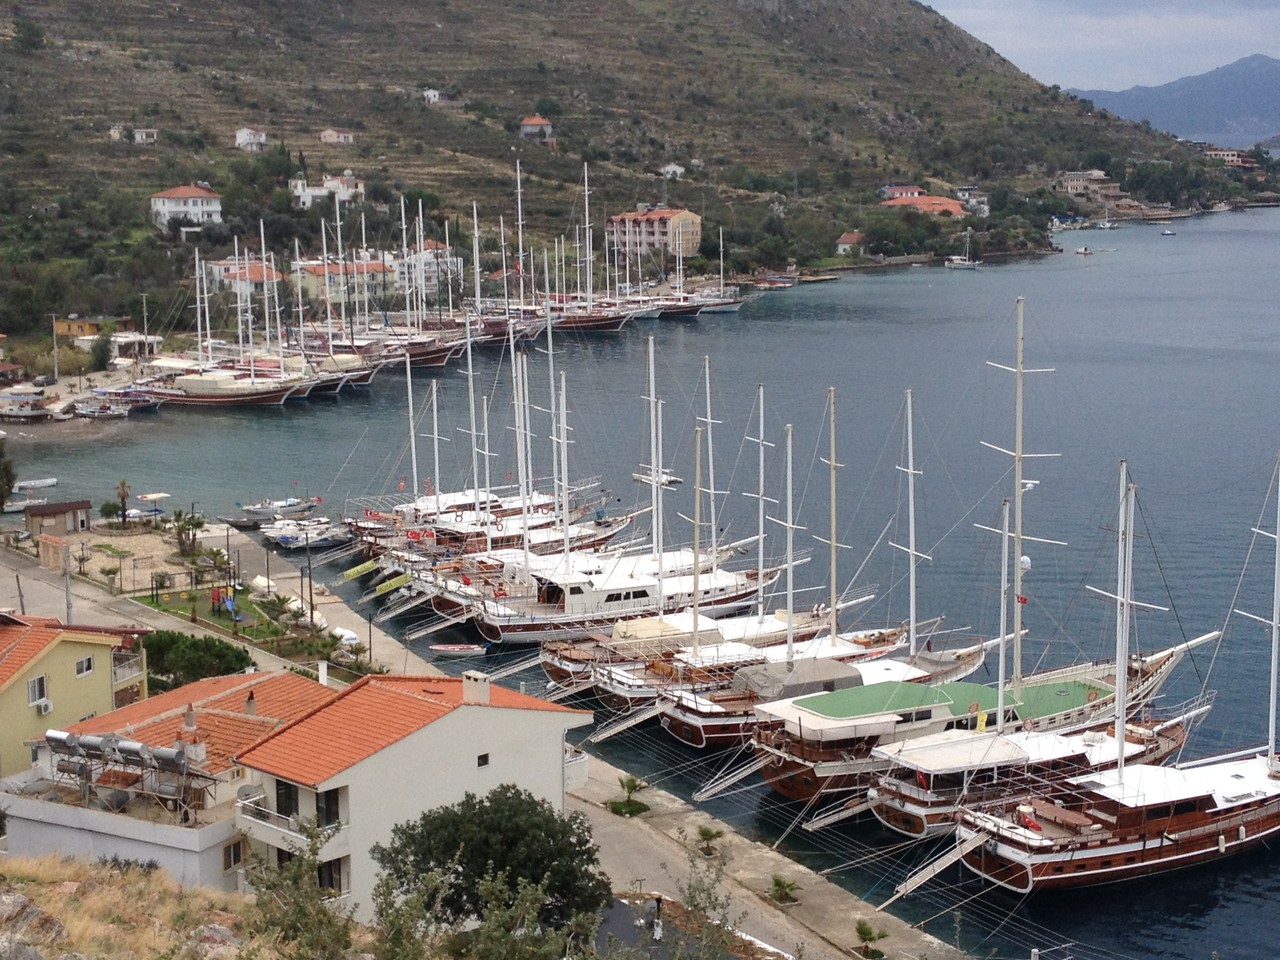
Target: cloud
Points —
{"points": [[1115, 44]]}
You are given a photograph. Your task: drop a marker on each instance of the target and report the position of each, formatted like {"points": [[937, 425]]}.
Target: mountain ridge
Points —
{"points": [[1236, 105], [813, 98]]}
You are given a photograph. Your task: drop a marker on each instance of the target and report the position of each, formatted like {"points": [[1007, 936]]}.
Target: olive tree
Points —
{"points": [[509, 836]]}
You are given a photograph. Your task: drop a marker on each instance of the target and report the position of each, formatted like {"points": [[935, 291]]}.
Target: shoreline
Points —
{"points": [[645, 852]]}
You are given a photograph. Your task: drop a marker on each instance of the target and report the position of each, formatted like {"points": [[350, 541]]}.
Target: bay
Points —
{"points": [[1164, 352]]}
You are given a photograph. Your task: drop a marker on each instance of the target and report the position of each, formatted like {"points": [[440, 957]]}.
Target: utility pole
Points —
{"points": [[54, 318], [66, 573], [22, 602]]}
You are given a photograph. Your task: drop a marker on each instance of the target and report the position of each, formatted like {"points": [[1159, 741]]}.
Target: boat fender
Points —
{"points": [[1091, 696], [1242, 832], [922, 780], [497, 524], [400, 485], [1222, 844]]}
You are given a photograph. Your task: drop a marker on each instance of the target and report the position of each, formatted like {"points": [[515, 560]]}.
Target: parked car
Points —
{"points": [[44, 380]]}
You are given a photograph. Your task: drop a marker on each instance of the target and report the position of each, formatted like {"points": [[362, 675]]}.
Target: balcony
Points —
{"points": [[125, 668], [263, 825]]}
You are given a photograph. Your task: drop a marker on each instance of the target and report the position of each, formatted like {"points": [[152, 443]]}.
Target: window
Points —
{"points": [[329, 876], [84, 666], [482, 760], [286, 798], [37, 690], [232, 856], [327, 808]]}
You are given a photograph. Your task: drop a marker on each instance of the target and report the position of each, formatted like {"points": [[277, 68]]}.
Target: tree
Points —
{"points": [[292, 905], [28, 35], [100, 353], [185, 526], [122, 494], [8, 473], [174, 658], [510, 836], [707, 837]]}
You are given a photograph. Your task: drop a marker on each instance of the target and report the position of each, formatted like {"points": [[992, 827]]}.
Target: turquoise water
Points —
{"points": [[1164, 352]]}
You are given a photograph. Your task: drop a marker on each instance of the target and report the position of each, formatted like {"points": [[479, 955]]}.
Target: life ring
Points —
{"points": [[499, 592], [1091, 696], [544, 508], [1028, 724], [507, 476], [975, 707]]}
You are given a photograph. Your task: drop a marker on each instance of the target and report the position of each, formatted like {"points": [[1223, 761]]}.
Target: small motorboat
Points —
{"points": [[1084, 251], [457, 649], [241, 523], [35, 484], [1167, 233]]}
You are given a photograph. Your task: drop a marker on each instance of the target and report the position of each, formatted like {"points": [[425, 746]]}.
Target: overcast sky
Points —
{"points": [[1117, 44]]}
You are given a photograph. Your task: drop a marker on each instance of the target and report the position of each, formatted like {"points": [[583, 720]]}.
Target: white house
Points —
{"points": [[196, 203], [424, 267], [430, 95], [345, 189], [156, 780], [251, 139], [638, 231], [849, 242], [338, 135], [389, 748], [671, 171]]}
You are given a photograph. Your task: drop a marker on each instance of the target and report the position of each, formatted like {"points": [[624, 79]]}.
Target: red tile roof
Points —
{"points": [[662, 213], [186, 193], [535, 121], [850, 236], [23, 640], [934, 205], [220, 705], [360, 266], [367, 717]]}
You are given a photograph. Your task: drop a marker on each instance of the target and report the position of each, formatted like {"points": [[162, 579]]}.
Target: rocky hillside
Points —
{"points": [[53, 908], [813, 100]]}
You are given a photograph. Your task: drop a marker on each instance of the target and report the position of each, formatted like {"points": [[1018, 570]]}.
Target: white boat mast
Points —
{"points": [[697, 528], [1020, 486], [586, 217], [471, 390], [1273, 763], [761, 443], [913, 555], [711, 464], [413, 442], [556, 476], [520, 233], [791, 567], [564, 467]]}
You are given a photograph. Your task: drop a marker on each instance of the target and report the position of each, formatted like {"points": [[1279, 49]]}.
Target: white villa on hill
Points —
{"points": [[198, 777]]}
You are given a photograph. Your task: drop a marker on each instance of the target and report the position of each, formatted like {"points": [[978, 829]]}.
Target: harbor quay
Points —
{"points": [[647, 855]]}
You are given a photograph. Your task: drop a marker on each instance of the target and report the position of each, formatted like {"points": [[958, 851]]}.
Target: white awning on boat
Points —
{"points": [[148, 497]]}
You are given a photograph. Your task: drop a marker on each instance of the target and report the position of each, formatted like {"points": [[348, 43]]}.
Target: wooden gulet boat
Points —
{"points": [[1135, 822]]}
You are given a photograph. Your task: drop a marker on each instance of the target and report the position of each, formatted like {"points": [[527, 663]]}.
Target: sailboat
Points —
{"points": [[725, 300], [822, 743], [727, 716], [934, 778], [1126, 822], [958, 262]]}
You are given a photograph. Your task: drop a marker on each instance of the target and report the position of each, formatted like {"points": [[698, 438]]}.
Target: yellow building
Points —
{"points": [[76, 326], [53, 675], [677, 232]]}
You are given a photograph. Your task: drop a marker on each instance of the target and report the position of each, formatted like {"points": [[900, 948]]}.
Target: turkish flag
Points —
{"points": [[1022, 599]]}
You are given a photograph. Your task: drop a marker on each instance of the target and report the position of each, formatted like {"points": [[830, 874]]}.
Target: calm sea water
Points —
{"points": [[1164, 352]]}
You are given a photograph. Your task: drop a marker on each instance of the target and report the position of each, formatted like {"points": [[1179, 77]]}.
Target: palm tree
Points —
{"points": [[8, 474], [707, 836], [185, 526], [122, 494], [631, 785]]}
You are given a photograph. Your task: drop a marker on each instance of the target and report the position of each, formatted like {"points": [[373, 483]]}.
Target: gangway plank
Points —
{"points": [[626, 722], [568, 690], [933, 869], [429, 627], [718, 785], [842, 811]]}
